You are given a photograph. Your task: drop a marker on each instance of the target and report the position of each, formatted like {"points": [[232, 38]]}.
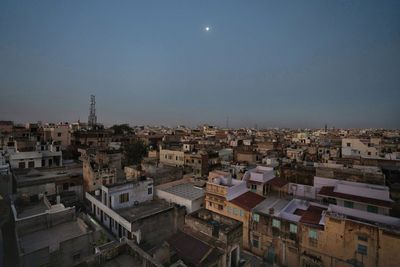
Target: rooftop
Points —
{"points": [[271, 205], [42, 175], [185, 190], [379, 220], [329, 191], [277, 182], [190, 249], [143, 210], [52, 237], [247, 200]]}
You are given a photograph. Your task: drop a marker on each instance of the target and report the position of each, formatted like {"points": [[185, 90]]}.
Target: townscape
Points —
{"points": [[82, 194]]}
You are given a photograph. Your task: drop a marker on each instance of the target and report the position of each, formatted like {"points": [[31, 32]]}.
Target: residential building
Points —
{"points": [[59, 133], [36, 183], [51, 235], [128, 210], [366, 148], [185, 192], [207, 239], [100, 167], [41, 155], [360, 196], [231, 198], [172, 157]]}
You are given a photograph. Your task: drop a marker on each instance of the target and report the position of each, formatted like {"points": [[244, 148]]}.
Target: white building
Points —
{"points": [[45, 155], [354, 147], [360, 196], [183, 192]]}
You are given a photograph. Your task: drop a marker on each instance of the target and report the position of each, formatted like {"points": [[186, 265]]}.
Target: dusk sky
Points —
{"points": [[270, 63]]}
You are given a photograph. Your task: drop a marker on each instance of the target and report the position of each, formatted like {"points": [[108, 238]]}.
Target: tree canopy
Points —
{"points": [[121, 128], [134, 152]]}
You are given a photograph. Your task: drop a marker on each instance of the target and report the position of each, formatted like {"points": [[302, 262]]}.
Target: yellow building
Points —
{"points": [[302, 233], [231, 198]]}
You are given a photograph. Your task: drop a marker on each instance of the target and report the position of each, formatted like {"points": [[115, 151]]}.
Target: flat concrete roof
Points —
{"points": [[52, 237], [277, 204], [31, 209], [186, 190], [38, 176], [143, 210]]}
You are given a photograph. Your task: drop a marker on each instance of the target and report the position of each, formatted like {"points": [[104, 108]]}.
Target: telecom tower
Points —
{"points": [[92, 120]]}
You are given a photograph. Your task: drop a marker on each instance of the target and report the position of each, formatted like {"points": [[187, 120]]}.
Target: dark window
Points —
{"points": [[150, 190], [76, 256], [58, 134], [348, 204], [348, 144], [21, 165], [362, 249], [31, 164], [256, 242], [123, 197], [373, 209]]}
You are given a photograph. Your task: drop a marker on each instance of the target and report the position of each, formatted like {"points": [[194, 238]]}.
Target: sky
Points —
{"points": [[270, 63]]}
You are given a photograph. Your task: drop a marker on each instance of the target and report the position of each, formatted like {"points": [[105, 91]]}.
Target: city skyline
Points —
{"points": [[273, 64]]}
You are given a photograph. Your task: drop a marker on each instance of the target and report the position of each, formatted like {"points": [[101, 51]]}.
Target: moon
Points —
{"points": [[207, 28]]}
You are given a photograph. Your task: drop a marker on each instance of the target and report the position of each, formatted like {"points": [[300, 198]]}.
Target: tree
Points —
{"points": [[121, 128], [134, 152]]}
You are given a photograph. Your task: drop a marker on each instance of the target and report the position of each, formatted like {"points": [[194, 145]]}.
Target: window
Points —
{"points": [[373, 209], [253, 187], [21, 165], [76, 256], [276, 223], [31, 164], [241, 213], [150, 190], [312, 234], [369, 153], [362, 249], [363, 238], [256, 217], [220, 207], [348, 204], [229, 209], [293, 228], [256, 242], [348, 144], [235, 211], [59, 134], [123, 197]]}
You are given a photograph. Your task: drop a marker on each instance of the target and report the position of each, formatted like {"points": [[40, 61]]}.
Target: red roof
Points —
{"points": [[312, 215], [277, 182], [329, 192], [247, 200], [188, 248]]}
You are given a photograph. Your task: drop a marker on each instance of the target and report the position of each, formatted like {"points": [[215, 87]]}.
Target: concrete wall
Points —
{"points": [[138, 192], [190, 205], [161, 226]]}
